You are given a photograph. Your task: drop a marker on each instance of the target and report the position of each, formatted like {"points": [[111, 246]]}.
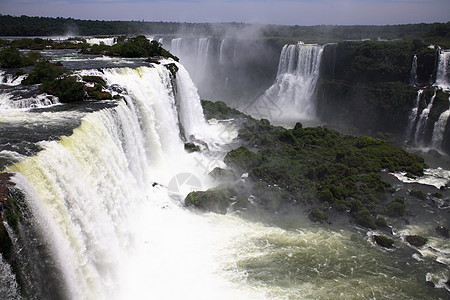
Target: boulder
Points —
{"points": [[416, 240], [383, 241], [216, 201]]}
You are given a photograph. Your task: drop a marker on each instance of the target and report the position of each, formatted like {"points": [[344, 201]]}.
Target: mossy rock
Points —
{"points": [[418, 194], [318, 215], [216, 201], [383, 241], [242, 159], [416, 240]]}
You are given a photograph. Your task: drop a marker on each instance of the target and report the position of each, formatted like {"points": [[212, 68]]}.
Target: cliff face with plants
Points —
{"points": [[373, 86]]}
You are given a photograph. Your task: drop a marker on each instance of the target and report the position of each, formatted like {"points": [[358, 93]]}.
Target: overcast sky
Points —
{"points": [[290, 12]]}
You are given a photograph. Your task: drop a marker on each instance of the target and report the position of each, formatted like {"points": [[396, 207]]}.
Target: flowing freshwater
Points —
{"points": [[293, 93], [103, 202]]}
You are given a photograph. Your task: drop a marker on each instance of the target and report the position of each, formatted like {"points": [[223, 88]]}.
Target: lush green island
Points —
{"points": [[329, 173]]}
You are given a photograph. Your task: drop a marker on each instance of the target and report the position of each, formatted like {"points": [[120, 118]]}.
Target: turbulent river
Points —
{"points": [[104, 184]]}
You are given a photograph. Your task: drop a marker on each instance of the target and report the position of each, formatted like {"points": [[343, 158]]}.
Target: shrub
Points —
{"points": [[67, 89], [317, 215], [396, 208], [418, 194]]}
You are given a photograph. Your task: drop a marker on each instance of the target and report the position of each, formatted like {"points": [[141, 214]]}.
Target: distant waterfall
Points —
{"points": [[413, 74], [176, 46], [106, 41], [423, 119], [443, 70], [413, 114], [222, 52], [294, 89], [439, 129], [202, 48]]}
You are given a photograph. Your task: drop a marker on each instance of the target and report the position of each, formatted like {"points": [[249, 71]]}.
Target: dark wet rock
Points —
{"points": [[383, 241], [416, 240], [430, 284], [216, 201], [191, 147], [442, 230]]}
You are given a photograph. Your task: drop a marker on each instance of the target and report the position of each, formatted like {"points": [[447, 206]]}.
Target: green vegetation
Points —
{"points": [[437, 33], [242, 159], [383, 241], [320, 167], [219, 110], [11, 57], [416, 240], [318, 215], [216, 200], [418, 194], [138, 46]]}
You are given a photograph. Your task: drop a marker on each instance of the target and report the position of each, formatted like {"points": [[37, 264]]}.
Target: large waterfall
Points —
{"points": [[293, 92], [103, 196], [99, 195]]}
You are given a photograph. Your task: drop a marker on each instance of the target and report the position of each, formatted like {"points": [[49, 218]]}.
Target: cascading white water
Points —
{"points": [[423, 119], [104, 231], [175, 46], [41, 100], [413, 114], [298, 72], [107, 41], [439, 129], [10, 79], [413, 74], [222, 52], [202, 48], [443, 70]]}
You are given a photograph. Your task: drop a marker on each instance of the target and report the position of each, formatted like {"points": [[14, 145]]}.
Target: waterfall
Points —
{"points": [[176, 46], [97, 206], [8, 102], [298, 72], [221, 52], [202, 49], [439, 129], [413, 114], [97, 41], [423, 119], [443, 70], [235, 55], [10, 79], [413, 74]]}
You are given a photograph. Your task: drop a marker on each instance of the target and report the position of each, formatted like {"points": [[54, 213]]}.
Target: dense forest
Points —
{"points": [[43, 26]]}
